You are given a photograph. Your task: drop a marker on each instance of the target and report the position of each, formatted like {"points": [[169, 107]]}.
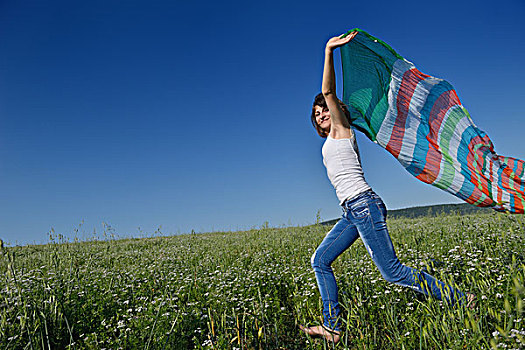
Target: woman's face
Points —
{"points": [[322, 117]]}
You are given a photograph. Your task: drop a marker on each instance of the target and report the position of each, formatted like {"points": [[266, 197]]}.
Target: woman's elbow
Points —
{"points": [[327, 92]]}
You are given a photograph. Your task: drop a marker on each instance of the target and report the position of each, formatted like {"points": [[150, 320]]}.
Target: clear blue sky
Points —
{"points": [[195, 115]]}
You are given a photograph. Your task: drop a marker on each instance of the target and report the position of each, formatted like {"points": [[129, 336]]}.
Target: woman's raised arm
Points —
{"points": [[339, 124]]}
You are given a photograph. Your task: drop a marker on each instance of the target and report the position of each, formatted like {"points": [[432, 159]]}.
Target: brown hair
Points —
{"points": [[321, 102]]}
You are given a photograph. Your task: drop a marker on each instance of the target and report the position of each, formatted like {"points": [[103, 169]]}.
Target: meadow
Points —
{"points": [[251, 290]]}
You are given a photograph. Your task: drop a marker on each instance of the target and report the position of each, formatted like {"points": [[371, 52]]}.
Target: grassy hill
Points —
{"points": [[251, 290]]}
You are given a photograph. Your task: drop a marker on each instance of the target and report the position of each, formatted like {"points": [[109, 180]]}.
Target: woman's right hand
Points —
{"points": [[337, 41]]}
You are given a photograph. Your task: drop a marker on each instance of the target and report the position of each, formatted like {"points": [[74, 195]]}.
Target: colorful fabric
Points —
{"points": [[421, 122]]}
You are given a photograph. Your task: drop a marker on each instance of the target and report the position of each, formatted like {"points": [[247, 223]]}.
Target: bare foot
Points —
{"points": [[471, 301], [321, 331]]}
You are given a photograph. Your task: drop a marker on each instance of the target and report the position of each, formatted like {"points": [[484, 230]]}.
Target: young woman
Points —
{"points": [[364, 212]]}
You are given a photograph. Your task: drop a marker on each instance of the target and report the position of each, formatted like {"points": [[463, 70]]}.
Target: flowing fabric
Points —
{"points": [[421, 122]]}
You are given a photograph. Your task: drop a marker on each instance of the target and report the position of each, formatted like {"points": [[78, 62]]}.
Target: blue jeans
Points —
{"points": [[364, 216]]}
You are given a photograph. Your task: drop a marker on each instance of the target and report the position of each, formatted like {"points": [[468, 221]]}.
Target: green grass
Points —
{"points": [[250, 290]]}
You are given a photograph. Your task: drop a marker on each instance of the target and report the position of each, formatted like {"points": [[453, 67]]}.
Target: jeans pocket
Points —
{"points": [[360, 210]]}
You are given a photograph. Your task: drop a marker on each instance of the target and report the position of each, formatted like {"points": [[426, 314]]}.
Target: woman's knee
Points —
{"points": [[313, 260], [316, 260]]}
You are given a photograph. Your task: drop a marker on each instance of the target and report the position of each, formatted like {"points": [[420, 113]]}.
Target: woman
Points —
{"points": [[364, 212]]}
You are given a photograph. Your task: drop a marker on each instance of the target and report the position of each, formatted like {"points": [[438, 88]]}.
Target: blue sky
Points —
{"points": [[195, 115]]}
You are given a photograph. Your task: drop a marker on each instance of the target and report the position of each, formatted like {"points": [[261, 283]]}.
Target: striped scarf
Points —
{"points": [[421, 122]]}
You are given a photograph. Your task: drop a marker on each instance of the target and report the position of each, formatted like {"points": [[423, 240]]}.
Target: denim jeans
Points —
{"points": [[364, 216]]}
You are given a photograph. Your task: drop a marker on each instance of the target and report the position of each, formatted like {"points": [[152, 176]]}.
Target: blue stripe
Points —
{"points": [[487, 168], [513, 196], [522, 179], [467, 188], [421, 148]]}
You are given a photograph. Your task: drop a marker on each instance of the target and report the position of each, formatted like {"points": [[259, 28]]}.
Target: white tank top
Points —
{"points": [[341, 159]]}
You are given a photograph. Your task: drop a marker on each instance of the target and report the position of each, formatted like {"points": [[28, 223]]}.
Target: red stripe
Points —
{"points": [[504, 177], [511, 163], [506, 174], [493, 172], [520, 169], [519, 203], [433, 163], [406, 90], [518, 174], [518, 206], [475, 167], [433, 158], [491, 164], [443, 103]]}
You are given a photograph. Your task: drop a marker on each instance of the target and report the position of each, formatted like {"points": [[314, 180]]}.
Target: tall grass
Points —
{"points": [[250, 290]]}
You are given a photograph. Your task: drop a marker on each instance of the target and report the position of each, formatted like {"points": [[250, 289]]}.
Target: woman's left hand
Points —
{"points": [[337, 41]]}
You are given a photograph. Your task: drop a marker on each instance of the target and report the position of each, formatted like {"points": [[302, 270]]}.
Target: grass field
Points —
{"points": [[250, 290]]}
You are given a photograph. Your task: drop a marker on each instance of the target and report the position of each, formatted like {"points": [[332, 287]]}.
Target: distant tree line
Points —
{"points": [[428, 210]]}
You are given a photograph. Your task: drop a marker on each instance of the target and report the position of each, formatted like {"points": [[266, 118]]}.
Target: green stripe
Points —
{"points": [[455, 115], [482, 171], [367, 68], [379, 113], [512, 176]]}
